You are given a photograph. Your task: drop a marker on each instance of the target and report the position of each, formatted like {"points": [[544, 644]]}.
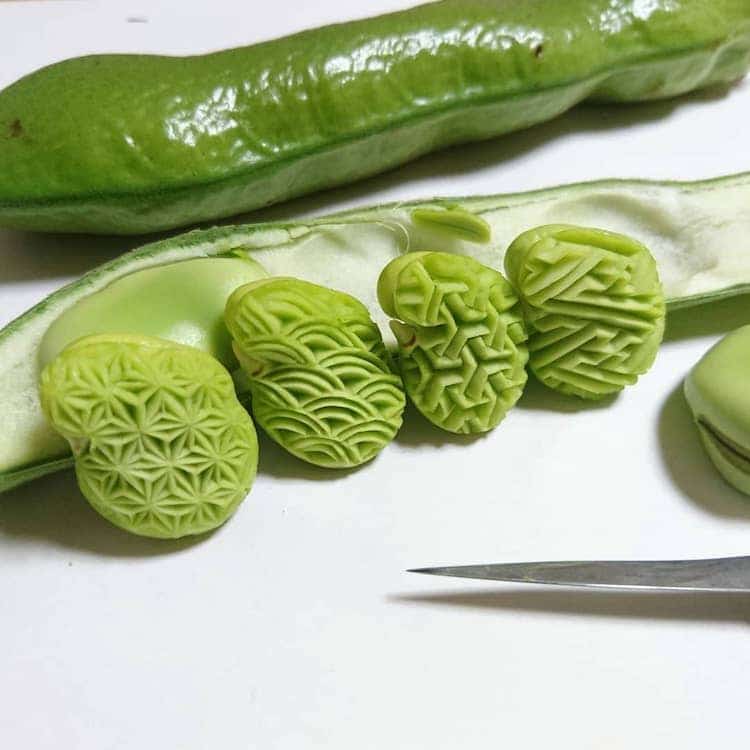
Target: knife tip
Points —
{"points": [[423, 571]]}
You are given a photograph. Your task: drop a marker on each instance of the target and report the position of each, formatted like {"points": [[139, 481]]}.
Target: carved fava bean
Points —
{"points": [[320, 378], [461, 338], [162, 446], [593, 304]]}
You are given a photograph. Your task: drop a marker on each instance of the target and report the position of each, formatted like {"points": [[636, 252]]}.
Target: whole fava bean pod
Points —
{"points": [[182, 302], [593, 304], [162, 446], [461, 338], [717, 392], [697, 232], [137, 143], [318, 372]]}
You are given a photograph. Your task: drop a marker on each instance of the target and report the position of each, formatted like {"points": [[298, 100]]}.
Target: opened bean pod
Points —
{"points": [[347, 252]]}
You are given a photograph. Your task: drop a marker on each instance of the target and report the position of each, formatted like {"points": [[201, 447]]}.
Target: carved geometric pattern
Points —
{"points": [[593, 304], [162, 446], [461, 339], [320, 379]]}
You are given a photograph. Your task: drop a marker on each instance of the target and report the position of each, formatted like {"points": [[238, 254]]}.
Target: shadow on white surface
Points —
{"points": [[537, 397], [689, 466], [52, 512], [28, 256], [699, 607], [708, 320], [417, 430], [274, 461]]}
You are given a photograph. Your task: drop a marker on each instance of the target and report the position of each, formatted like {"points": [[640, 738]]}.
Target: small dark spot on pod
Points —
{"points": [[15, 129], [538, 50]]}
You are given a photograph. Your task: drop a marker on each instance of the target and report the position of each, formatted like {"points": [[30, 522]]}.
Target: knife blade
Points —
{"points": [[721, 574]]}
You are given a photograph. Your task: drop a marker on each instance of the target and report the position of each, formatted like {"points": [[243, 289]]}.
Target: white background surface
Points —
{"points": [[294, 626]]}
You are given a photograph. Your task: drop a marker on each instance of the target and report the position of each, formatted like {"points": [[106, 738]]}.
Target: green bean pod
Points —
{"points": [[137, 143], [701, 260]]}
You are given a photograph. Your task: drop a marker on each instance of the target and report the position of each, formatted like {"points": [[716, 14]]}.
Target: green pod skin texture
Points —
{"points": [[319, 375], [138, 143], [698, 232], [593, 304], [461, 338], [717, 392], [182, 302], [162, 446]]}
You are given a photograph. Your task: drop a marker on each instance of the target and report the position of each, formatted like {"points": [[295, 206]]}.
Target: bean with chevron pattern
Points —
{"points": [[593, 304], [321, 382], [461, 338]]}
